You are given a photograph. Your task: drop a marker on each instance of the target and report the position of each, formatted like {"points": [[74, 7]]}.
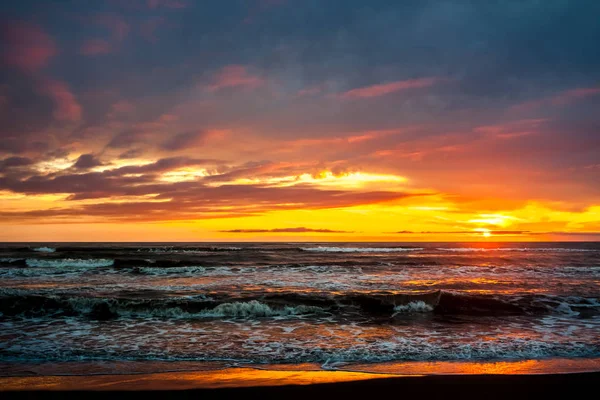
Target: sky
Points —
{"points": [[300, 120]]}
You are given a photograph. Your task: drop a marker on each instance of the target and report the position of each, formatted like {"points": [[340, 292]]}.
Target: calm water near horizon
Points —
{"points": [[331, 305]]}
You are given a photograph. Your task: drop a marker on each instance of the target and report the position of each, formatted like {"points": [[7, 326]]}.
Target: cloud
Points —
{"points": [[66, 107], [184, 140], [128, 138], [387, 88], [95, 47], [284, 230], [560, 99], [15, 162], [133, 153], [196, 198], [234, 76], [26, 46], [87, 161]]}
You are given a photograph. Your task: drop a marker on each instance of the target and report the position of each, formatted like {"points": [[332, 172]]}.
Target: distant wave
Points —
{"points": [[45, 249], [361, 249], [522, 249], [183, 250], [69, 262]]}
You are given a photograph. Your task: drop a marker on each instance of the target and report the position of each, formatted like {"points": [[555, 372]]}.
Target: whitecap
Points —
{"points": [[69, 262]]}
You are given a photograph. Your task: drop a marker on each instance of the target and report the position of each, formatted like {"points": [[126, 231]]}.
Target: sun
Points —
{"points": [[484, 232]]}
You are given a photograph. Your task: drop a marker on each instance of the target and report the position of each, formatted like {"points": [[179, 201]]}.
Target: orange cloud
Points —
{"points": [[387, 88], [27, 46]]}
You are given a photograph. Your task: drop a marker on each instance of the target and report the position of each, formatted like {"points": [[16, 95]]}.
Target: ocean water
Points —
{"points": [[268, 304]]}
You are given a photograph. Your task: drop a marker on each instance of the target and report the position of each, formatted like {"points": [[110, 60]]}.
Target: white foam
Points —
{"points": [[361, 249], [257, 309], [69, 262], [45, 249], [413, 307]]}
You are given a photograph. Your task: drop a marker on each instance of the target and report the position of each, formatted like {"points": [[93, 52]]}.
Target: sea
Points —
{"points": [[91, 308]]}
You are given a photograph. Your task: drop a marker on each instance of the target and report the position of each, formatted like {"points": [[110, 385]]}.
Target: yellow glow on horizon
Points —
{"points": [[493, 219], [350, 180], [184, 175], [484, 232], [55, 165], [130, 162]]}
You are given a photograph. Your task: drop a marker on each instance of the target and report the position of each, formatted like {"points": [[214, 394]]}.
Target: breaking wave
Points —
{"points": [[413, 307], [69, 262], [45, 249], [289, 304]]}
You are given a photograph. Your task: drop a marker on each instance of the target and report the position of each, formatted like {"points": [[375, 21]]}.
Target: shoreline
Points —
{"points": [[429, 379], [296, 384]]}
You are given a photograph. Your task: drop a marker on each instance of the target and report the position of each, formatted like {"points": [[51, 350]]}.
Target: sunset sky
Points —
{"points": [[299, 120]]}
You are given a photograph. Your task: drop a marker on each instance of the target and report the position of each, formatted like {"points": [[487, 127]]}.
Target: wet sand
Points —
{"points": [[260, 384]]}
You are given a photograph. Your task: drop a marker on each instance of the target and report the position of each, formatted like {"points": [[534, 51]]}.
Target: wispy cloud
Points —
{"points": [[560, 99], [234, 76], [387, 88]]}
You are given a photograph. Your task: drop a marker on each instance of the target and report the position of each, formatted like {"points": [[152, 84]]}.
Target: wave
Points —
{"points": [[45, 249], [380, 304], [413, 307], [515, 249], [198, 307], [13, 262], [69, 262], [236, 271], [183, 250], [361, 249]]}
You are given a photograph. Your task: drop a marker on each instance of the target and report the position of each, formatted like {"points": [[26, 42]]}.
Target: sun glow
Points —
{"points": [[184, 175], [493, 219], [349, 180]]}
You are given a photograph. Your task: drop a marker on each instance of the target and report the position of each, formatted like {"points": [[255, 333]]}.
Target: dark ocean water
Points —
{"points": [[328, 304]]}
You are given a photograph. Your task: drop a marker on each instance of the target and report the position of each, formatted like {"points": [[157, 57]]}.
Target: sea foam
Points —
{"points": [[69, 262]]}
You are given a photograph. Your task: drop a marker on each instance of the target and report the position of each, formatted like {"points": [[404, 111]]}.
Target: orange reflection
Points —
{"points": [[292, 375], [233, 377]]}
